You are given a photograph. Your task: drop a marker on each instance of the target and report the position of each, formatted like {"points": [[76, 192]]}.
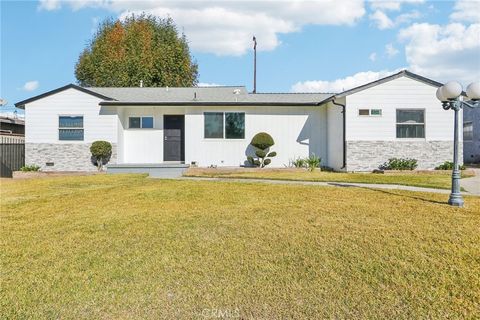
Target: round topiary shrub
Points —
{"points": [[101, 152], [262, 141]]}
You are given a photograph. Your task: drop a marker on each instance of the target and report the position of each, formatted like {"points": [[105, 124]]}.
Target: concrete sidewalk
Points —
{"points": [[472, 185], [332, 184]]}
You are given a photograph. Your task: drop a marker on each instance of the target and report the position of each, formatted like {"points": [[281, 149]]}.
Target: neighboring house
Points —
{"points": [[398, 116], [11, 126], [471, 135]]}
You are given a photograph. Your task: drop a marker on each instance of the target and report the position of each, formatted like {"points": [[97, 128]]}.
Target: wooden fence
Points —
{"points": [[12, 154]]}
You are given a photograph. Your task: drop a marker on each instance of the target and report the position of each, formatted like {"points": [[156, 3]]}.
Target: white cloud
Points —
{"points": [[373, 56], [49, 5], [391, 50], [467, 11], [342, 84], [226, 27], [392, 5], [381, 20], [208, 84], [30, 85], [449, 52]]}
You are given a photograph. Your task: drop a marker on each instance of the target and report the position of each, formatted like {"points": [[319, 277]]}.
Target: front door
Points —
{"points": [[173, 138]]}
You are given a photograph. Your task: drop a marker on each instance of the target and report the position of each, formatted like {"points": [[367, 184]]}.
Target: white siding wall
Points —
{"points": [[335, 135], [41, 118], [144, 145], [297, 132], [401, 93]]}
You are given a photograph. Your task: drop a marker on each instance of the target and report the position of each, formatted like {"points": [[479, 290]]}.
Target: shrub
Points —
{"points": [[399, 164], [298, 163], [31, 167], [101, 153], [262, 142], [448, 165], [312, 162]]}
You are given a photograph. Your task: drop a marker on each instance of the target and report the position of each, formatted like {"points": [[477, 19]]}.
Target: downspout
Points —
{"points": [[344, 136]]}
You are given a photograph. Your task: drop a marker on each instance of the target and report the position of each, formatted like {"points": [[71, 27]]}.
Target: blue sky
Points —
{"points": [[303, 45]]}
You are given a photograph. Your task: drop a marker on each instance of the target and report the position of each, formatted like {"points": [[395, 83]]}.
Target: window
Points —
{"points": [[140, 122], [213, 126], [410, 124], [234, 125], [468, 131], [230, 125], [369, 112], [70, 128]]}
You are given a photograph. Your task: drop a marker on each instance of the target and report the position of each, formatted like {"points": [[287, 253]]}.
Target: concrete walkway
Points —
{"points": [[333, 184], [472, 185]]}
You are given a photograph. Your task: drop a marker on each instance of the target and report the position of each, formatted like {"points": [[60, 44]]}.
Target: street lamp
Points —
{"points": [[450, 96]]}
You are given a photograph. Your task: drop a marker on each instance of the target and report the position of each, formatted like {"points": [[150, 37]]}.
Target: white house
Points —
{"points": [[356, 130]]}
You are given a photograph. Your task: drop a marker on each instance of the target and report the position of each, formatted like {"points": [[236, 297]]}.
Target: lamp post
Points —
{"points": [[450, 96]]}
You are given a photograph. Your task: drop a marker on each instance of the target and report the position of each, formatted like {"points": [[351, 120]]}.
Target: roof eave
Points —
{"points": [[206, 103], [21, 104]]}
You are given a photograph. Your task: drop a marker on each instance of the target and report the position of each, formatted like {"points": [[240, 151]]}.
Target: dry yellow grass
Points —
{"points": [[427, 179], [127, 247]]}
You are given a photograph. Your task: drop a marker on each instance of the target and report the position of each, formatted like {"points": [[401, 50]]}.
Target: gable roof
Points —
{"points": [[403, 73], [22, 104]]}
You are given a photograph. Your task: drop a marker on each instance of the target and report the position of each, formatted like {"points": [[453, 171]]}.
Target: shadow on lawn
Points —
{"points": [[391, 192]]}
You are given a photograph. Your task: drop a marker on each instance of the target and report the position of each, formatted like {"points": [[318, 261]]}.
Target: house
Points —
{"points": [[471, 135], [356, 130], [12, 126]]}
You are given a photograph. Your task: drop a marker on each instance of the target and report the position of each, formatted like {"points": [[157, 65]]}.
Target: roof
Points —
{"points": [[219, 95], [17, 121], [176, 96], [403, 73], [215, 96]]}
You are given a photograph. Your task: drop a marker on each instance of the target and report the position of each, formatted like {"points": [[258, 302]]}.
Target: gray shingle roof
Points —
{"points": [[203, 95]]}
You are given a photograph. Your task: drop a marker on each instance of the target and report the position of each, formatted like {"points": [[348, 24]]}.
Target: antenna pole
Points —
{"points": [[254, 64]]}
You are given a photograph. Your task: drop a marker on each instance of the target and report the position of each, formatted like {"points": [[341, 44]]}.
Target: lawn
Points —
{"points": [[428, 179], [129, 247]]}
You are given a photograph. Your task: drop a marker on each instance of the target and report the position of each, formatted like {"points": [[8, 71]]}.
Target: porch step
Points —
{"points": [[160, 170]]}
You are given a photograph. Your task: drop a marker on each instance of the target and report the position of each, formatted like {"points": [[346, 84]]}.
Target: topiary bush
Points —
{"points": [[448, 165], [400, 164], [262, 142], [101, 152]]}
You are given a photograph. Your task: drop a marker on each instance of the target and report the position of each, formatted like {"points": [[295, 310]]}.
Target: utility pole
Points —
{"points": [[254, 64]]}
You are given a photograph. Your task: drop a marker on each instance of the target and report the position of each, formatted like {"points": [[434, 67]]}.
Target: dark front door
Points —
{"points": [[173, 138]]}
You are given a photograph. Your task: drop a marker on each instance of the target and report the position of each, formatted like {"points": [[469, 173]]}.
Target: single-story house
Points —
{"points": [[355, 130]]}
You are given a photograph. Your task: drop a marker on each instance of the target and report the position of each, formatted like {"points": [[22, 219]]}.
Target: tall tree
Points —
{"points": [[139, 48]]}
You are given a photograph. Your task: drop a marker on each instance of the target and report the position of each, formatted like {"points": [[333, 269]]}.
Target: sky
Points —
{"points": [[303, 46]]}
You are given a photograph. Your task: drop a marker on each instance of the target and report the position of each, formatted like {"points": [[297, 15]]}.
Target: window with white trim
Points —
{"points": [[410, 124], [140, 122], [468, 131], [70, 128], [228, 125]]}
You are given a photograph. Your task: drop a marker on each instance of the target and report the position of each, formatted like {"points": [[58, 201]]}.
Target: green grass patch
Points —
{"points": [[426, 179], [127, 247]]}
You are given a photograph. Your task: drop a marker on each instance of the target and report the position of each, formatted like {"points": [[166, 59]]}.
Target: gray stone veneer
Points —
{"points": [[369, 155], [64, 156]]}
